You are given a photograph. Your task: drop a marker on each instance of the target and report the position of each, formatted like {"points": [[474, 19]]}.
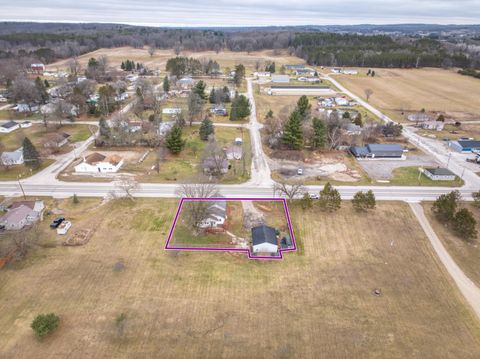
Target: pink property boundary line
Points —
{"points": [[245, 250]]}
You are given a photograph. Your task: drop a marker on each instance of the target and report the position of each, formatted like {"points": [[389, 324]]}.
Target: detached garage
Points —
{"points": [[264, 240]]}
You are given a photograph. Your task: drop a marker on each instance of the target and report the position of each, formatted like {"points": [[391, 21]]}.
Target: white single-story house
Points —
{"points": [[264, 240], [217, 214], [171, 111], [341, 101], [186, 82], [25, 124], [23, 107], [12, 158], [305, 72], [56, 140], [98, 163], [22, 213], [234, 153], [9, 126], [438, 174]]}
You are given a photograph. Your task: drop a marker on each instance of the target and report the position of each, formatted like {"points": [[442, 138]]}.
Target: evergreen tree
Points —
{"points": [[30, 154], [226, 95], [239, 74], [206, 129], [346, 115], [47, 84], [330, 199], [306, 201], [445, 206], [42, 91], [441, 118], [240, 108], [465, 224], [75, 199], [199, 89], [174, 141], [359, 201], [319, 133], [303, 107], [269, 114], [122, 66], [166, 84], [371, 201], [211, 98], [292, 132]]}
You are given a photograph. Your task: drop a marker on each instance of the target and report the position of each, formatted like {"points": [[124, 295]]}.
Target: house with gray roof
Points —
{"points": [[439, 174], [377, 151], [465, 146], [264, 239], [217, 215], [12, 158], [21, 214], [9, 126]]}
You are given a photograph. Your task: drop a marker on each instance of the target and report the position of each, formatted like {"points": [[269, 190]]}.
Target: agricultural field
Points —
{"points": [[317, 302], [226, 59], [410, 90], [465, 253]]}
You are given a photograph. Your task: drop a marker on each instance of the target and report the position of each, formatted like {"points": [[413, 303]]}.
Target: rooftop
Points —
{"points": [[440, 171], [264, 234]]}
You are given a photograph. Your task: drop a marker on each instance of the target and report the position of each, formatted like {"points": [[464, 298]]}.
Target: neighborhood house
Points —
{"points": [[98, 163], [264, 240], [280, 79], [57, 140], [12, 158], [217, 214], [21, 214], [9, 126]]}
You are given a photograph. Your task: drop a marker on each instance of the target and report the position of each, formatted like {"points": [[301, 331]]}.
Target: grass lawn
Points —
{"points": [[186, 164], [22, 171], [409, 176], [184, 304], [36, 133], [465, 253]]}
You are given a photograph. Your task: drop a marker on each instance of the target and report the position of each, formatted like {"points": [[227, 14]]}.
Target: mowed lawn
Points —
{"points": [[414, 89], [317, 303], [38, 134], [465, 253]]}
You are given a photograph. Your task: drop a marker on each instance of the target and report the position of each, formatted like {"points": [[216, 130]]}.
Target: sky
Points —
{"points": [[244, 12]]}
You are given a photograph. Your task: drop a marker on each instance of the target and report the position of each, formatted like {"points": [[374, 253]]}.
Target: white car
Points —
{"points": [[3, 99], [300, 171], [314, 196]]}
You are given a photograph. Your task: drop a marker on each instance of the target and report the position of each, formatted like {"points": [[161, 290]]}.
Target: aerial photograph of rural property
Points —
{"points": [[240, 179]]}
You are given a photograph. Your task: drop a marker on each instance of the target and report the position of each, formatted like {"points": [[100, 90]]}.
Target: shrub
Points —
{"points": [[44, 324]]}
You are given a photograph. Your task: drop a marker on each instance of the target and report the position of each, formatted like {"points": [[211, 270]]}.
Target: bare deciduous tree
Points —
{"points": [[195, 212], [151, 50], [292, 190], [127, 185]]}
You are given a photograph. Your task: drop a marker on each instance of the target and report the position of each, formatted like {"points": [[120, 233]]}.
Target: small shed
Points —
{"points": [[264, 239]]}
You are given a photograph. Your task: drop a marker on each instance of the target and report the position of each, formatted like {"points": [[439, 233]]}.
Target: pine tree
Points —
{"points": [[359, 201], [30, 154], [211, 98], [166, 84], [371, 201], [206, 129], [122, 66], [174, 141], [319, 133], [465, 224], [306, 201], [292, 132], [42, 91], [199, 89], [75, 199], [445, 206], [240, 108], [303, 107], [330, 199]]}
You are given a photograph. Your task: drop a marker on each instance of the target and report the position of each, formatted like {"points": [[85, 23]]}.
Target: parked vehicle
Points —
{"points": [[56, 222], [64, 227], [300, 171], [314, 196]]}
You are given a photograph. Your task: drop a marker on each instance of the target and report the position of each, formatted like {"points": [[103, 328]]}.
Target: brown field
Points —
{"points": [[159, 59], [315, 303], [465, 253], [413, 89]]}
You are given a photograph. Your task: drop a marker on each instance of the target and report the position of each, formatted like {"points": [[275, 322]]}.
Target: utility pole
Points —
{"points": [[21, 187]]}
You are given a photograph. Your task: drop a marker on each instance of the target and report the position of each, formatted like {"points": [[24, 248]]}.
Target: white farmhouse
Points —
{"points": [[98, 163], [9, 126], [217, 214]]}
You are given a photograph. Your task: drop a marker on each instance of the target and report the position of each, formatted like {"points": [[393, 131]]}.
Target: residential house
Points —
{"points": [[419, 117], [98, 163], [294, 66], [280, 79], [219, 111], [56, 140], [465, 146], [12, 158], [353, 129], [164, 127], [24, 107], [259, 75], [264, 240], [212, 165], [186, 83], [217, 215], [377, 151], [21, 214], [25, 124], [234, 153], [308, 79], [38, 68], [122, 97], [305, 72], [432, 125], [439, 174], [341, 101], [9, 126]]}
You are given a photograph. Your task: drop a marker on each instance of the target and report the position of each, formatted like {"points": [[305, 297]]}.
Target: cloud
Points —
{"points": [[245, 12]]}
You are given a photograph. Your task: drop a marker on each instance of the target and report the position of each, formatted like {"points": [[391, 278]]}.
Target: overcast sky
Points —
{"points": [[244, 12]]}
